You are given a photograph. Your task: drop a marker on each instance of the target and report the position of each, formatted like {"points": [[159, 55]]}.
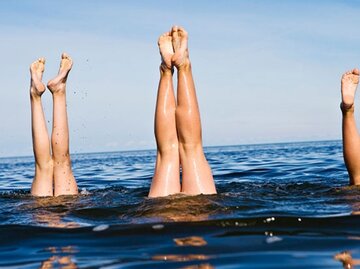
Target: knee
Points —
{"points": [[46, 167], [355, 180], [62, 160], [169, 149], [190, 147], [182, 112]]}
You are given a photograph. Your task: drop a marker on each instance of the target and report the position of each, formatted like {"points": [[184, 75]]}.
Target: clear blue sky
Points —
{"points": [[265, 71]]}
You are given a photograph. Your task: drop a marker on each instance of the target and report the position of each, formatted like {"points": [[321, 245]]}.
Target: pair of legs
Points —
{"points": [[177, 124], [53, 173], [351, 138]]}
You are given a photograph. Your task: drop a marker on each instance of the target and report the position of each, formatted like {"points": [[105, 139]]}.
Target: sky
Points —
{"points": [[265, 71]]}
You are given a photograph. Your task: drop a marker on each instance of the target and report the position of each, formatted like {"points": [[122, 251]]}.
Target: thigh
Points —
{"points": [[43, 181], [64, 180], [197, 177], [166, 180]]}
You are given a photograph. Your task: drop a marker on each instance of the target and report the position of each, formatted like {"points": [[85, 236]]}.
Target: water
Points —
{"points": [[279, 206]]}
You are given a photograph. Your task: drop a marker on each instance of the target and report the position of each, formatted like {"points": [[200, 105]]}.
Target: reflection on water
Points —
{"points": [[179, 208], [56, 217], [60, 260], [180, 258], [200, 266], [346, 259], [195, 241]]}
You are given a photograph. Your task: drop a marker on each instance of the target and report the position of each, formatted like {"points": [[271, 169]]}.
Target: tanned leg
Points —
{"points": [[43, 180], [64, 180], [351, 139], [166, 178], [196, 173]]}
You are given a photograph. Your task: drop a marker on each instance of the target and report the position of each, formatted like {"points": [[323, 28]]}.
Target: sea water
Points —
{"points": [[278, 206]]}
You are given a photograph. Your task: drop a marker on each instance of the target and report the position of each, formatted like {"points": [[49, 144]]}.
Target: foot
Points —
{"points": [[180, 44], [37, 88], [166, 51], [57, 84], [349, 82]]}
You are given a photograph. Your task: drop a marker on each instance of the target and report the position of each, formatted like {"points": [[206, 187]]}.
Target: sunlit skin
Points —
{"points": [[351, 138], [347, 260], [178, 125], [53, 173]]}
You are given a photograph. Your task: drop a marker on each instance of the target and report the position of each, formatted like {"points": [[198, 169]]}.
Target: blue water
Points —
{"points": [[279, 206]]}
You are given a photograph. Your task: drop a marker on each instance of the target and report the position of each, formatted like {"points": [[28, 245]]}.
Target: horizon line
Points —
{"points": [[205, 147]]}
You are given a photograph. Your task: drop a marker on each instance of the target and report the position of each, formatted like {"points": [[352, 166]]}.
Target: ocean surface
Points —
{"points": [[278, 206]]}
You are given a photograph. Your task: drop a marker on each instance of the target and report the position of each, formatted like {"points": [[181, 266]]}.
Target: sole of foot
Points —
{"points": [[349, 83], [166, 50], [37, 68], [57, 84], [180, 58]]}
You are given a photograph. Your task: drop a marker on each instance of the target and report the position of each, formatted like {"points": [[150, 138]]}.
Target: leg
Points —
{"points": [[196, 173], [43, 179], [64, 181], [166, 178], [351, 139]]}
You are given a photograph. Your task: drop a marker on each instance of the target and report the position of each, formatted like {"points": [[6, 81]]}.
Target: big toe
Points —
{"points": [[183, 32], [37, 65], [33, 65], [174, 31], [66, 61], [175, 28], [162, 38], [356, 71], [64, 55]]}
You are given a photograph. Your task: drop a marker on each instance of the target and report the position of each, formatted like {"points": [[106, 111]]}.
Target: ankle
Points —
{"points": [[165, 70], [185, 66], [346, 109], [35, 97]]}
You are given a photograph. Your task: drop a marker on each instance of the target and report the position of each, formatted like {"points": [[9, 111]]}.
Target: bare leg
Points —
{"points": [[166, 178], [65, 183], [196, 173], [43, 179], [351, 139]]}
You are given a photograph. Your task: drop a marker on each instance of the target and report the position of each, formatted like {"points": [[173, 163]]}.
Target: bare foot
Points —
{"points": [[57, 84], [349, 82], [37, 88], [180, 44], [166, 51]]}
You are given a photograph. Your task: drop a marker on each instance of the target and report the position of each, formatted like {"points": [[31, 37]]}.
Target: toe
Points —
{"points": [[183, 31], [65, 56], [175, 28], [356, 71], [42, 60], [174, 31], [161, 38]]}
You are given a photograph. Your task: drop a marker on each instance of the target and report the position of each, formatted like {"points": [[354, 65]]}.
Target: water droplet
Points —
{"points": [[158, 226], [273, 239], [101, 227]]}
